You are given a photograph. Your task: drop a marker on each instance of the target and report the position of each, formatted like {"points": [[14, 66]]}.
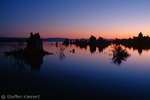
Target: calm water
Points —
{"points": [[77, 75]]}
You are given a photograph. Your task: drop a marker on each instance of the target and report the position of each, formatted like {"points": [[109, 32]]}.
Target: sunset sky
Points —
{"points": [[75, 18]]}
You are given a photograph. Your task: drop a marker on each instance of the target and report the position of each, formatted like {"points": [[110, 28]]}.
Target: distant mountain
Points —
{"points": [[109, 39], [53, 39], [12, 39]]}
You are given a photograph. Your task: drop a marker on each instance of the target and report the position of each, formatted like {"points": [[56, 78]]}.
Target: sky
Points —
{"points": [[75, 18]]}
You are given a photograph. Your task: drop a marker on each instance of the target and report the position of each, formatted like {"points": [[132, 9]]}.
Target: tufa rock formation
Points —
{"points": [[34, 44]]}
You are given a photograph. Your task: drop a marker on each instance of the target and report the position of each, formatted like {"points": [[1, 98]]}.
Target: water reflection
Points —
{"points": [[119, 54], [60, 52], [139, 48], [92, 49], [19, 64], [34, 61], [83, 73], [56, 44], [140, 51]]}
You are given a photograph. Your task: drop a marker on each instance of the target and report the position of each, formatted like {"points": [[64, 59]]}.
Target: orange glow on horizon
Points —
{"points": [[97, 35], [86, 34]]}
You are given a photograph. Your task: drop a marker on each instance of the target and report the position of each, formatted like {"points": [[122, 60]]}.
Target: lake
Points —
{"points": [[77, 73]]}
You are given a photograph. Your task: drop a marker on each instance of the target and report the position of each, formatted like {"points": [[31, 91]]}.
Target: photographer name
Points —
{"points": [[16, 96]]}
